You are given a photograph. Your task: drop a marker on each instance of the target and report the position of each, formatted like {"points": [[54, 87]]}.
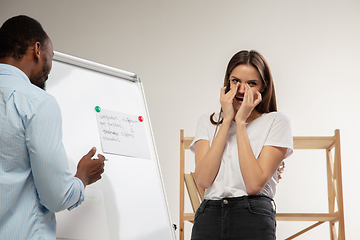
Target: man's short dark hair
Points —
{"points": [[17, 34]]}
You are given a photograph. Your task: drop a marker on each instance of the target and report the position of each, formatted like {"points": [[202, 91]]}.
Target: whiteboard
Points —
{"points": [[132, 189]]}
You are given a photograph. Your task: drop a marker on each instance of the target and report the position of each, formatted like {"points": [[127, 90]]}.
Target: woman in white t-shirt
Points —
{"points": [[239, 153]]}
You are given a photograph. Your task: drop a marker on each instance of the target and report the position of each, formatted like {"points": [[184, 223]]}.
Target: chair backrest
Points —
{"points": [[334, 180], [196, 193], [191, 184]]}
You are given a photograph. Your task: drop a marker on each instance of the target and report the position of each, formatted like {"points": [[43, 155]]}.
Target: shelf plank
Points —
{"points": [[331, 217], [313, 142]]}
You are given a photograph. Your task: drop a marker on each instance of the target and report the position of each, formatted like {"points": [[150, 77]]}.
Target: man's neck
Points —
{"points": [[23, 64]]}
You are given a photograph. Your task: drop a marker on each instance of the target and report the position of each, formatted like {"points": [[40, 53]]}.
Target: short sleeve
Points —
{"points": [[280, 134], [201, 131]]}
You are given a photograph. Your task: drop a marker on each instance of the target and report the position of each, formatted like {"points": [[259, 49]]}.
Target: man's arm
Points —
{"points": [[57, 188]]}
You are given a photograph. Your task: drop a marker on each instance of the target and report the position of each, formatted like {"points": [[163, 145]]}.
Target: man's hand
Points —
{"points": [[89, 170]]}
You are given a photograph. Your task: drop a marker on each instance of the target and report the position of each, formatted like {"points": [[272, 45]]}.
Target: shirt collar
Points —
{"points": [[7, 69]]}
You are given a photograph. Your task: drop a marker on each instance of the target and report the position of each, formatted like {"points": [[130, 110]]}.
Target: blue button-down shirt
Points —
{"points": [[35, 181]]}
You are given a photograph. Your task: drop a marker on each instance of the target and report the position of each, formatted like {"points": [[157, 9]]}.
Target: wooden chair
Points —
{"points": [[330, 144]]}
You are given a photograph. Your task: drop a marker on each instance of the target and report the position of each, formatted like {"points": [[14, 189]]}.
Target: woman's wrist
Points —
{"points": [[240, 122], [227, 120]]}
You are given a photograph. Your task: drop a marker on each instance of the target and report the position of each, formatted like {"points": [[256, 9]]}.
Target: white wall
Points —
{"points": [[180, 49]]}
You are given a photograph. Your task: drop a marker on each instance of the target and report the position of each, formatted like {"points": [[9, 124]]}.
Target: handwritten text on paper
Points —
{"points": [[122, 134]]}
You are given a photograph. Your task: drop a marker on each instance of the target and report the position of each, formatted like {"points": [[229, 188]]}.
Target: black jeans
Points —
{"points": [[239, 218]]}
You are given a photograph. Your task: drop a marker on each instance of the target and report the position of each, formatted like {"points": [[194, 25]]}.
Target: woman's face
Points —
{"points": [[245, 74]]}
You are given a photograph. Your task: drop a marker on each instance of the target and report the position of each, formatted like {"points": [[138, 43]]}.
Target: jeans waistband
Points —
{"points": [[234, 200]]}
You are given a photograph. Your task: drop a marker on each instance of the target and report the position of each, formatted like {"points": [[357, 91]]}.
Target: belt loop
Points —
{"points": [[272, 201], [246, 202], [203, 205], [274, 204]]}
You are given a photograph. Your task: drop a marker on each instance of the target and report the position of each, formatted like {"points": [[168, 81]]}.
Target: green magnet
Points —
{"points": [[97, 109]]}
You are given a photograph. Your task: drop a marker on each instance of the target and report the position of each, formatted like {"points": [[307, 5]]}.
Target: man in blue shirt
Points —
{"points": [[35, 181]]}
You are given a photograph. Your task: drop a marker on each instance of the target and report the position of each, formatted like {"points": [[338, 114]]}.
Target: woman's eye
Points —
{"points": [[235, 80], [251, 84]]}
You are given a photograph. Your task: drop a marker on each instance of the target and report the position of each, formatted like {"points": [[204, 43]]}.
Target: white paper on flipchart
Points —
{"points": [[122, 134]]}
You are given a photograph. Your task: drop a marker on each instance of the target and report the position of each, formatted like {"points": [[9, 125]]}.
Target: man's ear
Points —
{"points": [[36, 51]]}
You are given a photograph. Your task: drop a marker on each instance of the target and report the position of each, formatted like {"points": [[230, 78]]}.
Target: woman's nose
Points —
{"points": [[242, 88]]}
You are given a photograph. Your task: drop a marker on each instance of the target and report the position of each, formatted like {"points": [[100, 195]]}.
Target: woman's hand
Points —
{"points": [[208, 158], [248, 104], [226, 101]]}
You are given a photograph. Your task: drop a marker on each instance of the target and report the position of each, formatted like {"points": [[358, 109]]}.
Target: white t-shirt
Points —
{"points": [[271, 129]]}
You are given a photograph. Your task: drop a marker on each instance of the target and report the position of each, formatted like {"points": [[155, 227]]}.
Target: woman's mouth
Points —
{"points": [[239, 98]]}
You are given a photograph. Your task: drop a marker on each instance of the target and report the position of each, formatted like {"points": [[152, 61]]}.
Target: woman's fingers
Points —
{"points": [[249, 96], [226, 100], [222, 91], [249, 103], [258, 99]]}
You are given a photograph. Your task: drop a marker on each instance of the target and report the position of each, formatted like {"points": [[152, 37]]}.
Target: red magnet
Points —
{"points": [[141, 118]]}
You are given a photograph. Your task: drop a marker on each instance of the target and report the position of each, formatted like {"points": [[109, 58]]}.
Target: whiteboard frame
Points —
{"points": [[83, 63], [65, 58]]}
